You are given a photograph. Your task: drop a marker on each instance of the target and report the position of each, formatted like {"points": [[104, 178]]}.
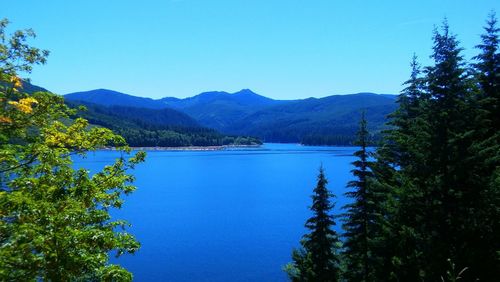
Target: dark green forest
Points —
{"points": [[426, 204], [143, 127], [330, 120]]}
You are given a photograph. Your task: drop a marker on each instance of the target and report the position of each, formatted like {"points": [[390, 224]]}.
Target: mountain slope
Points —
{"points": [[31, 88], [333, 116], [328, 120], [147, 118], [220, 109], [244, 97], [216, 109], [143, 127], [107, 97], [27, 87]]}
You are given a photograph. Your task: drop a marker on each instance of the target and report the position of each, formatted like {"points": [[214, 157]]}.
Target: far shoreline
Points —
{"points": [[193, 148], [214, 148]]}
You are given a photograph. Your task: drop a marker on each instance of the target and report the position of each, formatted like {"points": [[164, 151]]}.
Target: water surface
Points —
{"points": [[231, 215]]}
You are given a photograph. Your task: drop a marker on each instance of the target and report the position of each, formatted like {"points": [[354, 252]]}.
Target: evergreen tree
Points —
{"points": [[399, 171], [318, 259], [439, 167], [488, 68], [364, 217], [436, 164], [484, 161], [448, 192], [406, 118]]}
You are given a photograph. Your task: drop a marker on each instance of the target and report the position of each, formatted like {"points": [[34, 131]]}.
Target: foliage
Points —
{"points": [[363, 217], [439, 163], [54, 219], [317, 260], [427, 208]]}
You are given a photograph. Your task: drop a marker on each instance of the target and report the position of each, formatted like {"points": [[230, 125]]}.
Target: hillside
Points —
{"points": [[333, 119], [215, 109], [107, 97], [143, 127], [220, 109], [328, 120], [149, 125], [31, 88]]}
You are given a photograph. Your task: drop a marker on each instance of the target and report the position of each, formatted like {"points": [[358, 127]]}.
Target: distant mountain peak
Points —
{"points": [[105, 90], [98, 91], [245, 91]]}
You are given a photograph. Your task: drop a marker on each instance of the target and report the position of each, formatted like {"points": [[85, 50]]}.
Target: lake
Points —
{"points": [[232, 215]]}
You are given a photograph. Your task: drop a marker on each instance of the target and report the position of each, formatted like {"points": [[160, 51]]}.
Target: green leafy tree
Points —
{"points": [[318, 259], [54, 219]]}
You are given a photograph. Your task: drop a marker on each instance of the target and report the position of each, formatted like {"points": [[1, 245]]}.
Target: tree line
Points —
{"points": [[426, 204], [140, 130]]}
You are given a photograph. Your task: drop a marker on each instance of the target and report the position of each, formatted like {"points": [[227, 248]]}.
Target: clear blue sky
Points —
{"points": [[282, 49]]}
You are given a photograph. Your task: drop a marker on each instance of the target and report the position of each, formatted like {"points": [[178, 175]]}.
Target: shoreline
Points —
{"points": [[214, 148], [195, 148]]}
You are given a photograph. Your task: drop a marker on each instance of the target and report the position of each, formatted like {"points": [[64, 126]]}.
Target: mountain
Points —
{"points": [[216, 109], [328, 120], [107, 97], [31, 88], [220, 109], [27, 87], [143, 127], [147, 118], [332, 119], [244, 97]]}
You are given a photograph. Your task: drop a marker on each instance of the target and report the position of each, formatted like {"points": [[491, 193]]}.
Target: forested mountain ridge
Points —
{"points": [[329, 120], [108, 97], [148, 118], [244, 97], [143, 127], [218, 109]]}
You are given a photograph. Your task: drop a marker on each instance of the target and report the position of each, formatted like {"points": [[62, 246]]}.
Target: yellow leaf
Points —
{"points": [[5, 119], [16, 81], [24, 105]]}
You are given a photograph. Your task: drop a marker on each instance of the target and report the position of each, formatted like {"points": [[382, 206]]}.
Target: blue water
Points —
{"points": [[231, 215]]}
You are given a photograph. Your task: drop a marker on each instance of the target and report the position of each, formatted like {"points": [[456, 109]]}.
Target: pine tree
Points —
{"points": [[437, 201], [484, 164], [317, 260], [488, 68], [405, 118], [448, 191], [439, 164], [399, 170], [363, 218]]}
